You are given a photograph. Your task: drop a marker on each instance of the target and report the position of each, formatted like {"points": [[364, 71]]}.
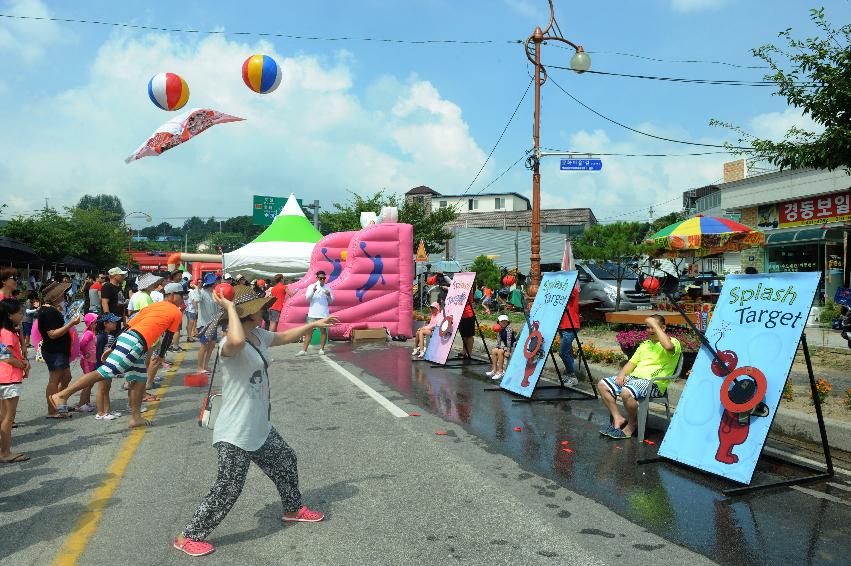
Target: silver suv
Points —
{"points": [[598, 282]]}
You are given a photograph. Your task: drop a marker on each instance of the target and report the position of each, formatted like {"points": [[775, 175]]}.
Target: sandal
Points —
{"points": [[150, 399], [16, 459], [194, 547]]}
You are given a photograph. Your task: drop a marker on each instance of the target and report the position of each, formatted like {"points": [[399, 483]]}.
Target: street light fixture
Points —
{"points": [[580, 62]]}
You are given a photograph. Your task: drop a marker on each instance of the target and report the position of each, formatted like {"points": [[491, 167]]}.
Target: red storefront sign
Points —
{"points": [[815, 210]]}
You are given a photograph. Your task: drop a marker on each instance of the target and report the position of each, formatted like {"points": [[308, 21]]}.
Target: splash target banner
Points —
{"points": [[179, 130], [529, 356], [722, 420], [441, 339]]}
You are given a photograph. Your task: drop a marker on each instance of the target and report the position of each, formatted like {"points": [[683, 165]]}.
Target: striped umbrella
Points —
{"points": [[706, 235]]}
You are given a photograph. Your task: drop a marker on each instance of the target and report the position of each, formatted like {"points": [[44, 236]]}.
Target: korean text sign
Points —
{"points": [[722, 420], [815, 210], [443, 335], [530, 354]]}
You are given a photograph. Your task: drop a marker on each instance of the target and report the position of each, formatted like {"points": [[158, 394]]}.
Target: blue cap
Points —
{"points": [[109, 317], [210, 279]]}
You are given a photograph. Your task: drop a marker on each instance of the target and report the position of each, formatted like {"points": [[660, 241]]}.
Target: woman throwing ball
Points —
{"points": [[243, 432]]}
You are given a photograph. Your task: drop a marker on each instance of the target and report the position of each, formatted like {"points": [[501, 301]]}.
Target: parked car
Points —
{"points": [[599, 283]]}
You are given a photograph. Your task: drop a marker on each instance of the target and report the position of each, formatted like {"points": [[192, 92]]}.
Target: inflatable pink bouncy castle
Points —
{"points": [[372, 282]]}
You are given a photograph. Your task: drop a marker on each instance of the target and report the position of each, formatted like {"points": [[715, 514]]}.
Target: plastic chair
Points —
{"points": [[644, 404]]}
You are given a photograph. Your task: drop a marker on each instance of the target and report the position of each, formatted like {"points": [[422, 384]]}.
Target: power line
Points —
{"points": [[589, 153], [622, 125], [261, 34], [721, 82], [660, 60], [500, 176], [499, 139], [640, 209]]}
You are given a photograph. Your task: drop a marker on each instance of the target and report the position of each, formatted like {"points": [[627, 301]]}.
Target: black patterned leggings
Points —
{"points": [[275, 458]]}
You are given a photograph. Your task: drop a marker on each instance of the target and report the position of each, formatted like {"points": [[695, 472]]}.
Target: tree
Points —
{"points": [[427, 227], [487, 272], [612, 247], [814, 75], [228, 241], [663, 222], [110, 205]]}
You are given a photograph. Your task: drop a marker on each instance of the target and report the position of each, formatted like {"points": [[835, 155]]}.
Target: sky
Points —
{"points": [[355, 116]]}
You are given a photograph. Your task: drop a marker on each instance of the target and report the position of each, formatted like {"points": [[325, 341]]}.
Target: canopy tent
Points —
{"points": [[284, 247], [15, 252]]}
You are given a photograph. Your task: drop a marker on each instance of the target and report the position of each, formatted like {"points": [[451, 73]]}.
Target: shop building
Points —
{"points": [[805, 215]]}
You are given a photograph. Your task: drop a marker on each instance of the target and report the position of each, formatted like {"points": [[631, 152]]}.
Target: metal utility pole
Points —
{"points": [[316, 214], [580, 62]]}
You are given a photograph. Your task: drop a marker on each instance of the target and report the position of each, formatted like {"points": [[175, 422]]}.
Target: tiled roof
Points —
{"points": [[511, 218], [422, 190]]}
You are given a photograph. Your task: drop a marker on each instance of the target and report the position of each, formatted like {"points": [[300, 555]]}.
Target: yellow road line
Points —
{"points": [[75, 543]]}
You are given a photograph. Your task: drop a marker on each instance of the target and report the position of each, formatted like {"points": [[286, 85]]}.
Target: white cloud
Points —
{"points": [[626, 184], [696, 5], [774, 125], [314, 135], [27, 39]]}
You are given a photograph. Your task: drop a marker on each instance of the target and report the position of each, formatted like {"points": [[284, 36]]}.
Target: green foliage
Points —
{"points": [[829, 312], [110, 205], [613, 247], [487, 272], [427, 226], [81, 233], [663, 222], [228, 241], [813, 75]]}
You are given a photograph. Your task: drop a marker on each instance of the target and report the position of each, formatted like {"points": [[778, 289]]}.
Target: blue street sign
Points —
{"points": [[581, 164]]}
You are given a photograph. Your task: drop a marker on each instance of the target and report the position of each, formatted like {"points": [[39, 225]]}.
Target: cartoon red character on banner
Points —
{"points": [[532, 352], [742, 393]]}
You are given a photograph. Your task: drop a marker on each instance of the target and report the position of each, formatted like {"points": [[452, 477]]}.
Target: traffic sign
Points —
{"points": [[581, 164], [266, 208], [422, 256]]}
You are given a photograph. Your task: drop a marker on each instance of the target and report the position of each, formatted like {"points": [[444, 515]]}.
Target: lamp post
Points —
{"points": [[129, 230], [580, 62]]}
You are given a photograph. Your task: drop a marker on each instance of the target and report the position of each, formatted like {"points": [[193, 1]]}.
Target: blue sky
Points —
{"points": [[361, 116]]}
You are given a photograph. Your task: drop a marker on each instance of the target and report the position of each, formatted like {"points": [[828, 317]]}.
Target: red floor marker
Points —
{"points": [[618, 448], [565, 442], [440, 433], [650, 442], [517, 429], [414, 414], [568, 450]]}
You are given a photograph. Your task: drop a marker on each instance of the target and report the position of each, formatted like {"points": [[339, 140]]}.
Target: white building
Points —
{"points": [[463, 204]]}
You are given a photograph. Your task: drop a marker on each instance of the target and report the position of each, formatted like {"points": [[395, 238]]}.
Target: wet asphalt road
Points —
{"points": [[394, 492]]}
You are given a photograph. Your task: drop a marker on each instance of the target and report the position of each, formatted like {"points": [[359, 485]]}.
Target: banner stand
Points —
{"points": [[471, 361], [585, 396], [817, 473]]}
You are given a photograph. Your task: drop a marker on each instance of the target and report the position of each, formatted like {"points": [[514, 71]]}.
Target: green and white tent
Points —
{"points": [[284, 247]]}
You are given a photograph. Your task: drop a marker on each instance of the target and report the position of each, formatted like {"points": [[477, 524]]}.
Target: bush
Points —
{"points": [[629, 340], [823, 388], [830, 311], [788, 391], [487, 272]]}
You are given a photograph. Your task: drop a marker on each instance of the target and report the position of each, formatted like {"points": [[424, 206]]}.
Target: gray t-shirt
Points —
{"points": [[243, 419], [207, 308]]}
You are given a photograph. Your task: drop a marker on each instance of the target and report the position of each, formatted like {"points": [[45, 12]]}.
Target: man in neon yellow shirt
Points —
{"points": [[656, 357]]}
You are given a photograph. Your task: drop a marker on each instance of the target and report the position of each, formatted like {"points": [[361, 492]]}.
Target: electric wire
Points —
{"points": [[595, 153], [661, 60], [654, 136], [260, 34], [499, 139], [721, 82], [501, 175]]}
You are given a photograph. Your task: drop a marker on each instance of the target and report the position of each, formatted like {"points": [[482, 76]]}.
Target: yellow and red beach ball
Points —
{"points": [[261, 73]]}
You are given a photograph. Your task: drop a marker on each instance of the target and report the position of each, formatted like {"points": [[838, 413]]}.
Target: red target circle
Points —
{"points": [[535, 337], [750, 404]]}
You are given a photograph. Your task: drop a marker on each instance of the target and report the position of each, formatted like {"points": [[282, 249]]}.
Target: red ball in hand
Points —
{"points": [[650, 285], [225, 290]]}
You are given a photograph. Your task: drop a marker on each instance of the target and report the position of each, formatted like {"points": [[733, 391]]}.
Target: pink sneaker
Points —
{"points": [[303, 515], [194, 547]]}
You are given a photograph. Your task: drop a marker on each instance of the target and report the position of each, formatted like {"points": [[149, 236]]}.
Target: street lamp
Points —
{"points": [[580, 62]]}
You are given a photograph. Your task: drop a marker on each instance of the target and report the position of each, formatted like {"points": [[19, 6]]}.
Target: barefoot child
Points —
{"points": [[161, 319], [505, 340], [13, 370]]}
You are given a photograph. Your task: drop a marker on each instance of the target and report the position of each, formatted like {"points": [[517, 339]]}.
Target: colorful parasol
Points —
{"points": [[706, 235]]}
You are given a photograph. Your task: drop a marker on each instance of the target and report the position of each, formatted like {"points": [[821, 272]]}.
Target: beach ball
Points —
{"points": [[168, 91], [261, 73]]}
